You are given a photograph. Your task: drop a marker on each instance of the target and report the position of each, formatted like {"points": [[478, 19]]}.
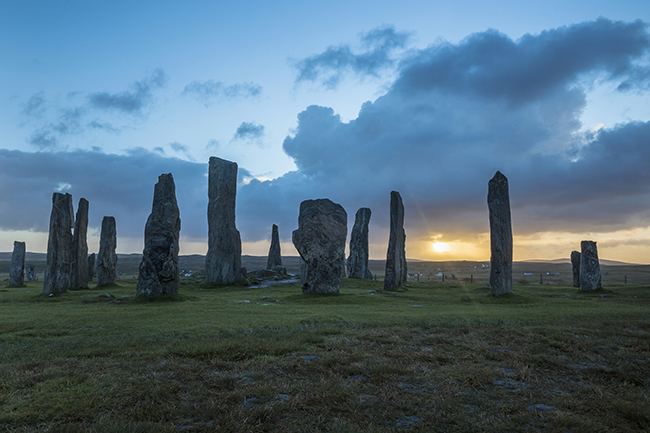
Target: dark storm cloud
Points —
{"points": [[491, 65], [330, 66], [210, 91], [118, 185], [133, 101], [249, 131], [456, 114]]}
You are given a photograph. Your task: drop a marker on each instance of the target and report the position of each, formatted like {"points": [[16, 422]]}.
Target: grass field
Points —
{"points": [[431, 357]]}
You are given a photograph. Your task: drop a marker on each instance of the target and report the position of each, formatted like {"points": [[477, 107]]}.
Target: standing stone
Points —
{"points": [[17, 270], [320, 240], [79, 274], [159, 273], [396, 270], [358, 260], [500, 235], [575, 267], [91, 267], [106, 258], [589, 267], [59, 245], [30, 272], [275, 257], [223, 260]]}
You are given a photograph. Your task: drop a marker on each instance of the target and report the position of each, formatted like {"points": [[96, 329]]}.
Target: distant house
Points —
{"points": [[528, 274]]}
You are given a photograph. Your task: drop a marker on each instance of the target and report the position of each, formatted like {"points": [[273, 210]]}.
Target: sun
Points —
{"points": [[440, 247]]}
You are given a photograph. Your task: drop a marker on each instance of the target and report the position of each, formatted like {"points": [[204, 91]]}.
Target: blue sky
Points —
{"points": [[345, 100]]}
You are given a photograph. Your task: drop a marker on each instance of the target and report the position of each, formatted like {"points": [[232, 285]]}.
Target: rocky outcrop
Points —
{"points": [[106, 258], [500, 235], [575, 267], [590, 278], [159, 273], [320, 240], [396, 268], [358, 260], [223, 260], [79, 269], [17, 269], [275, 257], [59, 245]]}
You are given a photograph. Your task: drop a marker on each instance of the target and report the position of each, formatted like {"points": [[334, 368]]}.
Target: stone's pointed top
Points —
{"points": [[358, 260], [158, 272], [275, 255]]}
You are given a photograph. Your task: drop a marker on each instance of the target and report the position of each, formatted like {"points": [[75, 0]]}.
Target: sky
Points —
{"points": [[346, 100]]}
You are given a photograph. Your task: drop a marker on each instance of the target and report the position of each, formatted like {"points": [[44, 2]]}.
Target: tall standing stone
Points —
{"points": [[358, 260], [575, 267], [223, 260], [396, 270], [17, 270], [590, 278], [500, 235], [30, 272], [59, 245], [91, 267], [79, 273], [106, 258], [159, 273], [320, 240], [275, 257]]}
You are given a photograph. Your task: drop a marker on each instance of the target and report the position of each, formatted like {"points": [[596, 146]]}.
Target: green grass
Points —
{"points": [[427, 357]]}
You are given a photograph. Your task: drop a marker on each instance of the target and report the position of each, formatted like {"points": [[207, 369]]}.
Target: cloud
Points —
{"points": [[43, 139], [35, 105], [491, 65], [106, 126], [71, 120], [330, 66], [212, 144], [117, 185], [249, 131], [210, 91], [133, 101], [455, 115]]}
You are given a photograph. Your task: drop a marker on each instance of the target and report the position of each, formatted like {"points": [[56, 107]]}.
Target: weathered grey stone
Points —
{"points": [[275, 257], [59, 245], [358, 260], [79, 271], [500, 235], [106, 258], [223, 260], [396, 268], [17, 269], [280, 270], [159, 273], [320, 240], [91, 266], [30, 272], [575, 267], [590, 278]]}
